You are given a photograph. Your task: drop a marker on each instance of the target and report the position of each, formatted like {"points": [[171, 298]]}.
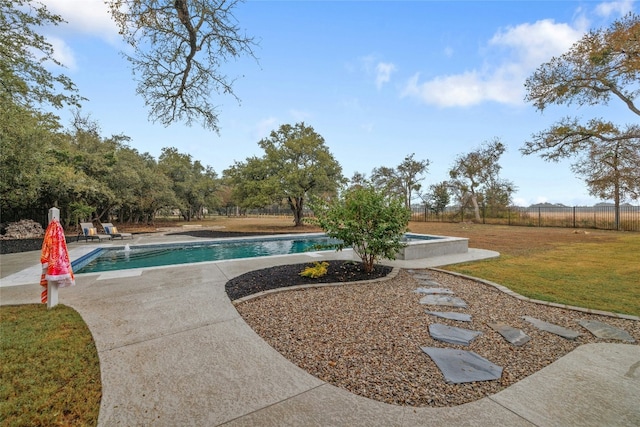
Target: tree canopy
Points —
{"points": [[25, 78], [402, 180], [475, 174], [603, 65], [296, 164], [178, 50], [605, 156]]}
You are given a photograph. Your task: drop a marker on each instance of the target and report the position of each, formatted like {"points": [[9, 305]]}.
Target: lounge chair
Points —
{"points": [[113, 231], [88, 231]]}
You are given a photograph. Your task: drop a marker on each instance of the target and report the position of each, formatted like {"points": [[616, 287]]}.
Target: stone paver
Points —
{"points": [[452, 335], [460, 366], [552, 328], [431, 291], [451, 315], [445, 300], [515, 336], [429, 283], [422, 276], [605, 331]]}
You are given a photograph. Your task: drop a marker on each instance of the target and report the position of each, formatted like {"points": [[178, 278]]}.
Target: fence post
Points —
{"points": [[539, 217]]}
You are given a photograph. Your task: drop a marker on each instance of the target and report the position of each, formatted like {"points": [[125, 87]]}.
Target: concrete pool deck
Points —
{"points": [[174, 351]]}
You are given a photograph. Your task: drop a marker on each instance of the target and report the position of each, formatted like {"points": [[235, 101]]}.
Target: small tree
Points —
{"points": [[473, 173], [402, 180], [366, 220], [438, 198]]}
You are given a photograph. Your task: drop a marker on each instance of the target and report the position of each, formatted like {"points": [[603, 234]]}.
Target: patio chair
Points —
{"points": [[112, 231], [88, 231]]}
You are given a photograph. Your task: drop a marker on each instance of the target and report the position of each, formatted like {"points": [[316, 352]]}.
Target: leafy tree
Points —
{"points": [[437, 198], [606, 156], [178, 48], [475, 172], [402, 180], [367, 220], [358, 180], [296, 165], [603, 65], [25, 79], [25, 138], [193, 184]]}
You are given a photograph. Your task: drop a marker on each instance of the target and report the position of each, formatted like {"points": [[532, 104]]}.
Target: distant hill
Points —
{"points": [[607, 204], [549, 205]]}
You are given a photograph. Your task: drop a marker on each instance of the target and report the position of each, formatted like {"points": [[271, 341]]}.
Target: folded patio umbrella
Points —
{"points": [[56, 266]]}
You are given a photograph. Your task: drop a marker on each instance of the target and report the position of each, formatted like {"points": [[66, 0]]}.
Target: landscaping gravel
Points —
{"points": [[366, 338]]}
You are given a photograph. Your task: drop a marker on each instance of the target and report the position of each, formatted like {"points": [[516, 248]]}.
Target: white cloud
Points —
{"points": [[383, 73], [299, 115], [621, 8], [521, 49], [264, 127], [62, 53], [520, 201], [85, 16]]}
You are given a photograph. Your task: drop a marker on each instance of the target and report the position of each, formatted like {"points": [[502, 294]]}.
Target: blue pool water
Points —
{"points": [[109, 259], [118, 258]]}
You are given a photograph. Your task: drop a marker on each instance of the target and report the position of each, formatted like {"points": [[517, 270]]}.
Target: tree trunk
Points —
{"points": [[617, 204], [296, 203], [476, 207]]}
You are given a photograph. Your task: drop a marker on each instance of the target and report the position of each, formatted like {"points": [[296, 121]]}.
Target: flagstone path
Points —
{"points": [[461, 366]]}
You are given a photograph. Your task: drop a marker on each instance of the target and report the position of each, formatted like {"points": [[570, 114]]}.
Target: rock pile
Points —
{"points": [[23, 229]]}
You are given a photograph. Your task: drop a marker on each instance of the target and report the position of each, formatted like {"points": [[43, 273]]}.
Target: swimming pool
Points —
{"points": [[129, 257], [144, 256]]}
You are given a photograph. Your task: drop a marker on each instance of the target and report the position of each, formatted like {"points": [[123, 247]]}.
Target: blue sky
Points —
{"points": [[379, 80]]}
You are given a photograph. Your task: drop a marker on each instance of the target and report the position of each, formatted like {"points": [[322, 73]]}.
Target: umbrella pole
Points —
{"points": [[52, 294]]}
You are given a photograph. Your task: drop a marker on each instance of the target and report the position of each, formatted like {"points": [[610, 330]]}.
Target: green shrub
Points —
{"points": [[366, 220]]}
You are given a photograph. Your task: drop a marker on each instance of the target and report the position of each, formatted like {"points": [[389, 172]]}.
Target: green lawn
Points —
{"points": [[50, 369], [603, 275]]}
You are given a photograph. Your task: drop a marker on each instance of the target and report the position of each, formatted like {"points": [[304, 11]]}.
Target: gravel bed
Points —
{"points": [[366, 338]]}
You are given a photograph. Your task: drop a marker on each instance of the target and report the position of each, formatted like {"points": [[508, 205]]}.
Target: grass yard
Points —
{"points": [[50, 372], [585, 268], [50, 369]]}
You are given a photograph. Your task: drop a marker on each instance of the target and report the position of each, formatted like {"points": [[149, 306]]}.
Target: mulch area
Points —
{"points": [[289, 275]]}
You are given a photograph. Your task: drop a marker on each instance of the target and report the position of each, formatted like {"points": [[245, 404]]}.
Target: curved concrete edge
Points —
{"points": [[508, 291]]}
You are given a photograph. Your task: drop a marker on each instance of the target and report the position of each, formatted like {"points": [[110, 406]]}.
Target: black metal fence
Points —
{"points": [[598, 217]]}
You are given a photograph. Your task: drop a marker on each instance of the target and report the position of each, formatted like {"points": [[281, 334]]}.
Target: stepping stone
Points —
{"points": [[431, 291], [452, 315], [515, 336], [554, 329], [452, 335], [603, 330], [443, 300], [429, 283], [460, 366], [423, 276]]}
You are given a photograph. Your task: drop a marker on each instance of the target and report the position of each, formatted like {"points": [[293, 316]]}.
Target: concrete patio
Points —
{"points": [[174, 351]]}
